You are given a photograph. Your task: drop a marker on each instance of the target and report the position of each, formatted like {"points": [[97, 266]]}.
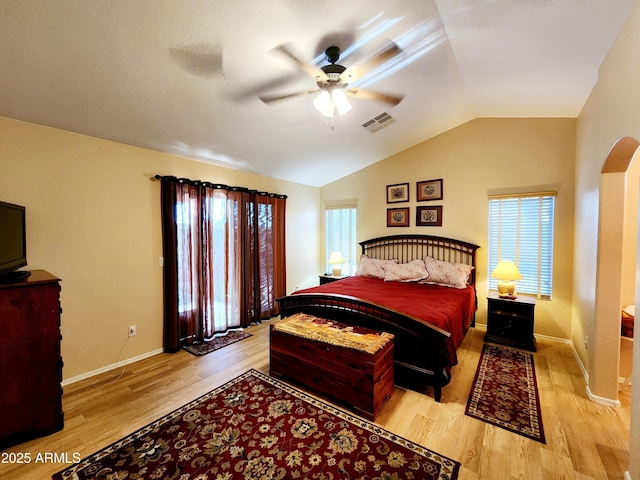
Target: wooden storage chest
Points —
{"points": [[351, 366]]}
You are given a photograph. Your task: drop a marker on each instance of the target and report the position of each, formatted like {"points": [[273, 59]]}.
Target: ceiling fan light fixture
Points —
{"points": [[333, 81], [333, 99], [324, 103], [340, 101]]}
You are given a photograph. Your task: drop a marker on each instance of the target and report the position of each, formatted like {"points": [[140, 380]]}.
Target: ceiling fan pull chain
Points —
{"points": [[327, 124]]}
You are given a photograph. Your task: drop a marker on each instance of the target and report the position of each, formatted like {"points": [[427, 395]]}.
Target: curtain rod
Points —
{"points": [[219, 186]]}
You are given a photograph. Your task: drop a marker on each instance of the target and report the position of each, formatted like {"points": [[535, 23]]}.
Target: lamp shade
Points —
{"points": [[324, 104], [340, 101], [335, 260], [332, 99], [506, 272]]}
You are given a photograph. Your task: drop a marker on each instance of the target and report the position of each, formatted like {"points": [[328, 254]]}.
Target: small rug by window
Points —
{"points": [[257, 427], [208, 346], [505, 392]]}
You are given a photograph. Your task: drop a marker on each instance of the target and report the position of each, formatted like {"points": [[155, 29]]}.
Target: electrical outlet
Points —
{"points": [[132, 330], [161, 261], [586, 342]]}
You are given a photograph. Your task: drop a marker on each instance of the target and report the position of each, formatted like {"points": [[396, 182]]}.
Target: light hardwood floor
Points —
{"points": [[584, 440]]}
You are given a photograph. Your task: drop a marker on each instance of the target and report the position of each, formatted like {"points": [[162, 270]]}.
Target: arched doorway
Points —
{"points": [[617, 252]]}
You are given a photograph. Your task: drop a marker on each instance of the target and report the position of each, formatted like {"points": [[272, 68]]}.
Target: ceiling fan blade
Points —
{"points": [[388, 98], [276, 98], [307, 68], [280, 82], [365, 67]]}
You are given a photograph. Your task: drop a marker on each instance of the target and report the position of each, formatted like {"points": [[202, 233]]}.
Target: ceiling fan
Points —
{"points": [[333, 81]]}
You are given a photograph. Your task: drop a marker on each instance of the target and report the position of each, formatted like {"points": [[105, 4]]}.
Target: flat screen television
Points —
{"points": [[13, 242]]}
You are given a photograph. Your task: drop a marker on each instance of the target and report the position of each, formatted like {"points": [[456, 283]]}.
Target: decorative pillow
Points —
{"points": [[413, 271], [372, 267], [446, 273]]}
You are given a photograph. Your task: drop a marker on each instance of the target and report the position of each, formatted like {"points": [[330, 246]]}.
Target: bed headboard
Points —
{"points": [[410, 247]]}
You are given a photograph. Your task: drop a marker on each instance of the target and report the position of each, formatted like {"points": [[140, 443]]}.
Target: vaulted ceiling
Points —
{"points": [[185, 76]]}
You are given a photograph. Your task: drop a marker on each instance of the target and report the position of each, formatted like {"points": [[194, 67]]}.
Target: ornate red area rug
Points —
{"points": [[258, 427], [216, 343], [505, 392]]}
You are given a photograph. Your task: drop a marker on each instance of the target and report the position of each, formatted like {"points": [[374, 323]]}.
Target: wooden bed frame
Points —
{"points": [[420, 347]]}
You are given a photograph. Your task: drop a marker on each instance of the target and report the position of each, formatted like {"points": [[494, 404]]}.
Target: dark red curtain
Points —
{"points": [[224, 250]]}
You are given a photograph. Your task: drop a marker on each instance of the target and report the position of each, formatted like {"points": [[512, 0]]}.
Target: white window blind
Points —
{"points": [[340, 228], [521, 230]]}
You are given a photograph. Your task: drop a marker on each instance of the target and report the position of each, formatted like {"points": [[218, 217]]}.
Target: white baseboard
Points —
{"points": [[624, 382], [566, 341], [583, 369], [595, 398], [607, 402], [113, 366]]}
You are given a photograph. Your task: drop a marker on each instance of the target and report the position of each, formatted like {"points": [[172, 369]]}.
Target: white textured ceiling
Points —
{"points": [[184, 76]]}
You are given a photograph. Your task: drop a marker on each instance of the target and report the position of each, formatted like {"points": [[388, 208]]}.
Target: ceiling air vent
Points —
{"points": [[379, 122]]}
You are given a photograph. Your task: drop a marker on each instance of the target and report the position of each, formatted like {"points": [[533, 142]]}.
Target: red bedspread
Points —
{"points": [[448, 308]]}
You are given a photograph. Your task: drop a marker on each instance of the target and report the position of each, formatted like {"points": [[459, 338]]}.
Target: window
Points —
{"points": [[186, 215], [224, 250], [521, 229], [340, 228]]}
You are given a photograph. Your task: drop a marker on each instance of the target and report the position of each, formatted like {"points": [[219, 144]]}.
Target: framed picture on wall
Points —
{"points": [[398, 217], [429, 216], [429, 190], [398, 193]]}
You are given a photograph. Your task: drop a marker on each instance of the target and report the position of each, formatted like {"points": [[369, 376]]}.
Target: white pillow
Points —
{"points": [[630, 310], [413, 271], [446, 273], [372, 267]]}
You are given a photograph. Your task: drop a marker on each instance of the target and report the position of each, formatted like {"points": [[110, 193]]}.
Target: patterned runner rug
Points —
{"points": [[257, 427], [232, 336], [505, 392]]}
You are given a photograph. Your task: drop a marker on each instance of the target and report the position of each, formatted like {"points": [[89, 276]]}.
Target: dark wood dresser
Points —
{"points": [[30, 361]]}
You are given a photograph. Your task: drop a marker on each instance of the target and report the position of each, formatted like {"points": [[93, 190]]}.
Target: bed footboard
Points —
{"points": [[420, 348]]}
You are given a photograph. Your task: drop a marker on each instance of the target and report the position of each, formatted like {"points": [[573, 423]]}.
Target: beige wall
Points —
{"points": [[476, 157], [630, 240], [93, 219], [612, 111]]}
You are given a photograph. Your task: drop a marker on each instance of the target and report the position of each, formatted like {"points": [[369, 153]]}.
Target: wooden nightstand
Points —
{"points": [[510, 322], [324, 278]]}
